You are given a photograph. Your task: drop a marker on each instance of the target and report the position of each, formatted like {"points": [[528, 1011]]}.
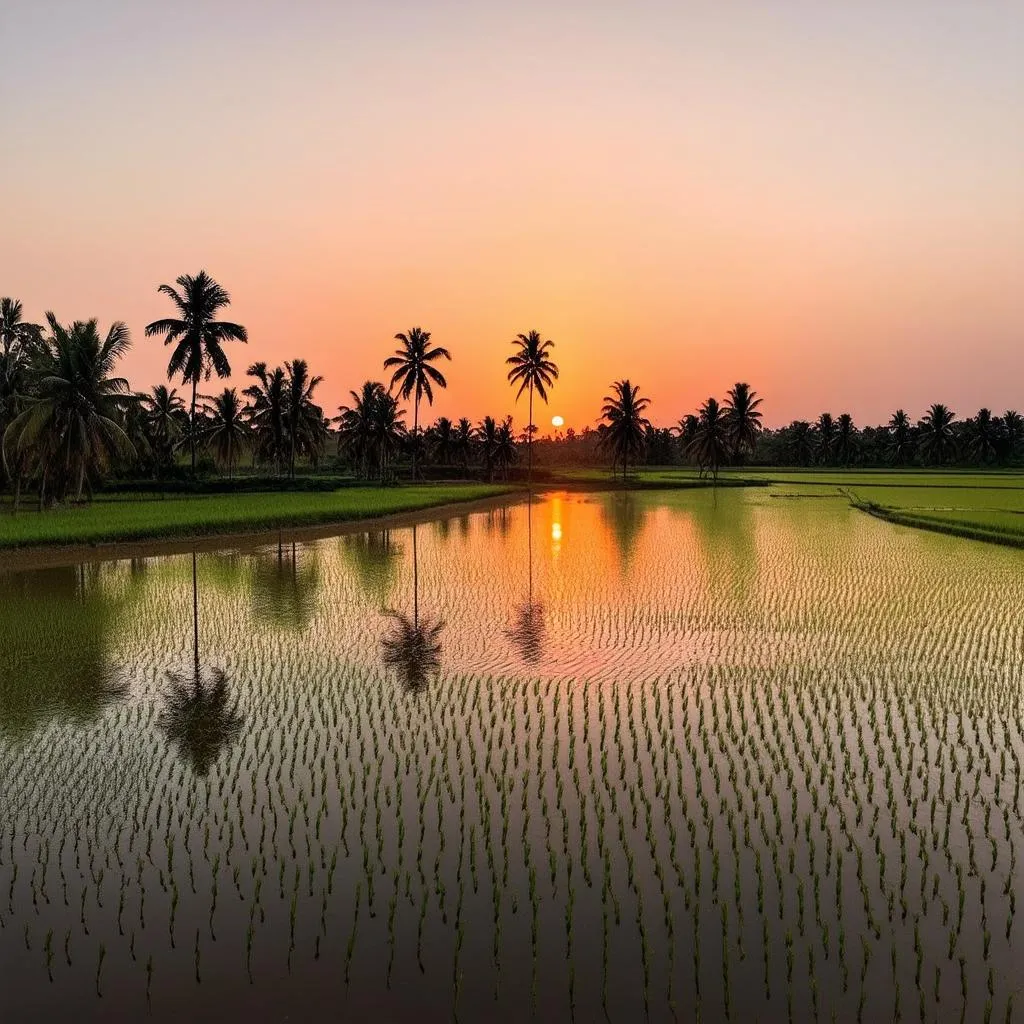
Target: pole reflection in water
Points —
{"points": [[199, 717], [413, 647], [529, 630]]}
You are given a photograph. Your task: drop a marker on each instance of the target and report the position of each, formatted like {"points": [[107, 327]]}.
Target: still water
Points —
{"points": [[737, 755]]}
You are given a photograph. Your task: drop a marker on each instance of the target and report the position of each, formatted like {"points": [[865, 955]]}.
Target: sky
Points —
{"points": [[823, 199]]}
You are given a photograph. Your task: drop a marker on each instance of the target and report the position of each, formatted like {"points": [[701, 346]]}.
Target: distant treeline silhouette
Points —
{"points": [[69, 423]]}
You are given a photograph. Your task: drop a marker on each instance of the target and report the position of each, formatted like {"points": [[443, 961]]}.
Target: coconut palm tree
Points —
{"points": [[389, 432], [164, 417], [710, 444], [228, 431], [901, 437], [742, 420], [533, 370], [800, 442], [356, 425], [268, 398], [937, 439], [444, 440], [487, 438], [624, 422], [17, 337], [825, 430], [463, 443], [1013, 425], [198, 337], [505, 446], [70, 428], [983, 435], [414, 374], [846, 438], [305, 418]]}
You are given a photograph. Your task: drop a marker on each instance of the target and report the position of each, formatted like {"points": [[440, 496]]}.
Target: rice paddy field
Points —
{"points": [[635, 755]]}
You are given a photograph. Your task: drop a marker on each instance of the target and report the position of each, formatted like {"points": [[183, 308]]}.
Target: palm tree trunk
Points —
{"points": [[192, 426], [17, 490], [415, 430], [529, 442]]}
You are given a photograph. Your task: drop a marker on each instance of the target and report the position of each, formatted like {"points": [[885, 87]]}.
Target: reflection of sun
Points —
{"points": [[557, 421]]}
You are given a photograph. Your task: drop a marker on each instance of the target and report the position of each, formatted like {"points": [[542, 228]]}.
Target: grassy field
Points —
{"points": [[133, 519]]}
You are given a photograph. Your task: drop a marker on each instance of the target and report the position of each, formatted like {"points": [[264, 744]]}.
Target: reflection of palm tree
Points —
{"points": [[283, 590], [625, 515], [529, 631], [412, 646], [199, 717], [55, 646], [374, 557]]}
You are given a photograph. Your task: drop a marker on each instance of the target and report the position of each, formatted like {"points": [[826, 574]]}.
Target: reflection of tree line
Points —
{"points": [[68, 676]]}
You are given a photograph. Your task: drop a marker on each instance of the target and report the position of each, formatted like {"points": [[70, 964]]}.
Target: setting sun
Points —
{"points": [[557, 421]]}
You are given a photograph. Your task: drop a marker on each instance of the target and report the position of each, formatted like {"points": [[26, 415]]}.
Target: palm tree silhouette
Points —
{"points": [[826, 431], [533, 370], [624, 422], [227, 430], [164, 419], [710, 443], [901, 436], [71, 424], [505, 446], [413, 374], [267, 403], [1013, 424], [846, 438], [200, 718], [937, 438], [463, 443], [305, 417], [444, 440], [983, 435], [801, 442], [413, 646], [198, 337], [742, 419], [487, 436], [356, 425]]}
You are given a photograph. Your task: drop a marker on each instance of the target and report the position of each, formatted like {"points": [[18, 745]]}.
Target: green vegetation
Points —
{"points": [[236, 513]]}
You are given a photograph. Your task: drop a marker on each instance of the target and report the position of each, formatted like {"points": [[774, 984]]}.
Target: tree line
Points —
{"points": [[68, 420]]}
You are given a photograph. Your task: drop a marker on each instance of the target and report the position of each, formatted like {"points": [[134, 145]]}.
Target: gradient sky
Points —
{"points": [[824, 199]]}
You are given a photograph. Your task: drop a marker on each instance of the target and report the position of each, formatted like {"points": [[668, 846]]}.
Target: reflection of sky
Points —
{"points": [[628, 589]]}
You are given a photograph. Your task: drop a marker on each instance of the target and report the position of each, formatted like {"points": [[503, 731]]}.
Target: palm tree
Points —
{"points": [[389, 432], [305, 417], [936, 432], [414, 375], [900, 433], [198, 337], [742, 419], [624, 422], [710, 444], [983, 435], [444, 440], [487, 436], [1013, 424], [267, 410], [227, 431], [826, 431], [71, 424], [463, 443], [846, 438], [505, 446], [356, 425], [533, 370], [163, 415], [801, 442], [16, 340]]}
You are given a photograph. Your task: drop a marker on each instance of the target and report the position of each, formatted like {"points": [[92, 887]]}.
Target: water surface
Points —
{"points": [[737, 755]]}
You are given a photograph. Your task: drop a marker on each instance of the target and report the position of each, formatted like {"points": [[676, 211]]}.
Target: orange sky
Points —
{"points": [[824, 200]]}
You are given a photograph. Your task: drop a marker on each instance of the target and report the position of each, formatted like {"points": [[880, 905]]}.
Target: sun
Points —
{"points": [[557, 421]]}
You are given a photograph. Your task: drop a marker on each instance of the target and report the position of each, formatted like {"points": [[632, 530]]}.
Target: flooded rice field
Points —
{"points": [[624, 755]]}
